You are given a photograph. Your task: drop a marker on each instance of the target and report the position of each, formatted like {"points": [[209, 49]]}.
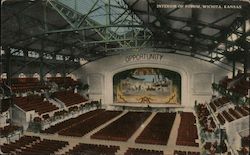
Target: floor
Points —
{"points": [[167, 149]]}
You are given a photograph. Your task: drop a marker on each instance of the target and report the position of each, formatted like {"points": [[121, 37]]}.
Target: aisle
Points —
{"points": [[167, 149]]}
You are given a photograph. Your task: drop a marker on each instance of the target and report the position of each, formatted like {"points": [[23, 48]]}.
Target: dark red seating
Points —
{"points": [[204, 118], [221, 119], [69, 97], [240, 85], [158, 130], [63, 81], [245, 141], [234, 113], [23, 141], [26, 84], [241, 111], [34, 102], [5, 131], [212, 106], [93, 149], [228, 117], [185, 153], [71, 122], [5, 105], [82, 128], [137, 151], [123, 128], [187, 132], [44, 147], [217, 103]]}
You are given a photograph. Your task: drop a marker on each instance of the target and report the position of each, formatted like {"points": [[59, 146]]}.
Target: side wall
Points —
{"points": [[196, 75]]}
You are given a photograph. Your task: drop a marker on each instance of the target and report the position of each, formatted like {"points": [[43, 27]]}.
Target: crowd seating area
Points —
{"points": [[71, 122], [187, 132], [232, 114], [69, 97], [221, 119], [136, 151], [158, 130], [5, 105], [123, 128], [228, 117], [205, 119], [63, 81], [84, 127], [240, 84], [9, 129], [243, 110], [43, 147], [93, 149], [20, 85], [217, 103], [186, 153], [34, 102], [245, 141], [18, 144]]}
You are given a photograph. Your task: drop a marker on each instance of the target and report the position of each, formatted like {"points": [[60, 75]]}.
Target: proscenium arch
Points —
{"points": [[108, 93]]}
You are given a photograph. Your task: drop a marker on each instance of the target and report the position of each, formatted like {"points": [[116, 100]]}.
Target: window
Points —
{"points": [[58, 75], [33, 54], [2, 51], [47, 56], [48, 75], [67, 58], [59, 57], [16, 52]]}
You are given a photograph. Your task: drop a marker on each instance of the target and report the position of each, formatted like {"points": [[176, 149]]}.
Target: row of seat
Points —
{"points": [[18, 144], [245, 141], [86, 126], [123, 128], [34, 103], [185, 153], [240, 84], [206, 121], [20, 85], [5, 105], [187, 132], [137, 151], [71, 122], [217, 103], [43, 147], [69, 98], [158, 129], [93, 149], [5, 131], [63, 81], [233, 114]]}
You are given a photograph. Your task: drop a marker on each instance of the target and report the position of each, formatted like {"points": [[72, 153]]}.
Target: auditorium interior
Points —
{"points": [[125, 77]]}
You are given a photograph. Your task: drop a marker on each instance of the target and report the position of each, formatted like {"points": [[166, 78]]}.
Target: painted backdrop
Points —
{"points": [[147, 85]]}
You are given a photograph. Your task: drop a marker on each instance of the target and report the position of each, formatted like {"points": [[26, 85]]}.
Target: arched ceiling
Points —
{"points": [[95, 28]]}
